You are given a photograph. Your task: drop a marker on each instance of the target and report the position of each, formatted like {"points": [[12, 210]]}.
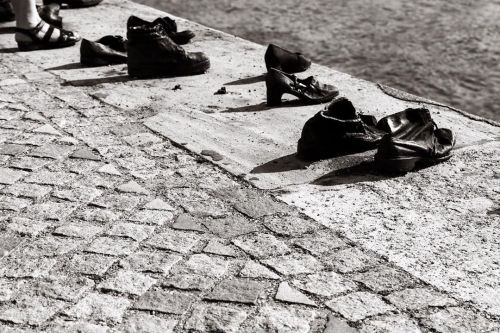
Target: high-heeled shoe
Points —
{"points": [[287, 61], [308, 90], [74, 3], [29, 39]]}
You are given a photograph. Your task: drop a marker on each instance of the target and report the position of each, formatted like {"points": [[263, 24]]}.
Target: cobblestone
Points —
{"points": [[104, 308], [295, 264], [134, 231], [177, 241], [219, 248], [153, 262], [384, 279], [325, 284], [165, 301], [288, 294], [256, 270], [64, 288], [31, 310], [144, 323], [231, 226], [189, 282], [413, 299], [26, 226], [350, 260], [78, 230], [10, 176], [128, 282], [390, 324], [27, 190], [90, 264], [261, 245], [237, 290], [201, 264], [281, 319], [189, 223], [357, 306], [112, 246], [215, 318]]}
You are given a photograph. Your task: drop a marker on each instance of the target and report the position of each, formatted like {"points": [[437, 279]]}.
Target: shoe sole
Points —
{"points": [[78, 4], [404, 165], [35, 47], [159, 70], [99, 62]]}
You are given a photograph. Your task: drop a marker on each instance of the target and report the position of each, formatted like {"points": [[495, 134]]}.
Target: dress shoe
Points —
{"points": [[109, 50], [50, 14], [413, 141], [152, 53], [308, 90], [336, 131], [284, 60], [169, 26], [74, 3], [6, 11]]}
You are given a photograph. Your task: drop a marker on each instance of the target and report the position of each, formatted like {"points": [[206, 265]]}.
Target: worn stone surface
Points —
{"points": [[99, 307], [461, 320], [337, 325], [350, 260], [134, 231], [112, 246], [91, 264], [144, 323], [384, 278], [128, 282], [288, 294], [418, 298], [358, 305], [261, 245], [295, 264], [10, 176], [237, 290], [189, 282], [65, 288], [154, 262], [281, 319], [164, 301], [201, 264], [256, 270], [231, 226], [214, 318], [176, 241], [30, 310], [390, 324], [219, 248], [325, 284]]}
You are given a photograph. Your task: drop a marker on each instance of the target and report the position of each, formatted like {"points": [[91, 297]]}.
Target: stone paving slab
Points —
{"points": [[107, 226]]}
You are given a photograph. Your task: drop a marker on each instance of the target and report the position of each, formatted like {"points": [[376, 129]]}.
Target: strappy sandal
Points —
{"points": [[308, 90], [66, 38]]}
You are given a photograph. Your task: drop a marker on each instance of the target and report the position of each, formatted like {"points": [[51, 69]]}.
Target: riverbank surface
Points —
{"points": [[446, 51]]}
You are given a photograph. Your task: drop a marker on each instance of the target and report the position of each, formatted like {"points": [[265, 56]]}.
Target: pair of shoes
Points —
{"points": [[44, 36], [281, 64], [6, 11], [108, 50], [405, 140], [73, 3], [152, 51]]}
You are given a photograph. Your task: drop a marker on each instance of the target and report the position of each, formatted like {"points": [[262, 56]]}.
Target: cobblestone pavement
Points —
{"points": [[106, 226]]}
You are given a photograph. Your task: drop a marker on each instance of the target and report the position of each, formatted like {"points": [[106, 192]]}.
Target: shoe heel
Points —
{"points": [[397, 165], [273, 97]]}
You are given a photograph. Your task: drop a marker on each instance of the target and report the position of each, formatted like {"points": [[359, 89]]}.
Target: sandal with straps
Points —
{"points": [[66, 38]]}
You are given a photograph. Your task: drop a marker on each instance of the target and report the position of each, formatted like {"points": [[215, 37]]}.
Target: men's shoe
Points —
{"points": [[284, 60], [109, 50], [169, 26], [50, 14], [336, 131], [308, 90], [6, 11], [74, 3], [413, 141], [151, 53]]}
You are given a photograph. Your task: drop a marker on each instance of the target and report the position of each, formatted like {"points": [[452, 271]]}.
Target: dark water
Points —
{"points": [[446, 50]]}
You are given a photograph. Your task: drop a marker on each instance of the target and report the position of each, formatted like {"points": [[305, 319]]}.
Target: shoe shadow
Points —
{"points": [[94, 82], [247, 80], [7, 30], [365, 171], [281, 164], [264, 107], [10, 50], [75, 65]]}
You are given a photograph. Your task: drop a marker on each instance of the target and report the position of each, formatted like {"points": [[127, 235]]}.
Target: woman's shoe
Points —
{"points": [[6, 11], [308, 90], [109, 50], [74, 3], [42, 37], [50, 14], [287, 61], [169, 27]]}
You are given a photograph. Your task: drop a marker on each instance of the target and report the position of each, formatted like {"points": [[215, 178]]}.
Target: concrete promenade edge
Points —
{"points": [[117, 215]]}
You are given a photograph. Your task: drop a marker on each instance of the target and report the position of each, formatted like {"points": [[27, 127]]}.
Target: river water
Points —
{"points": [[445, 50]]}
